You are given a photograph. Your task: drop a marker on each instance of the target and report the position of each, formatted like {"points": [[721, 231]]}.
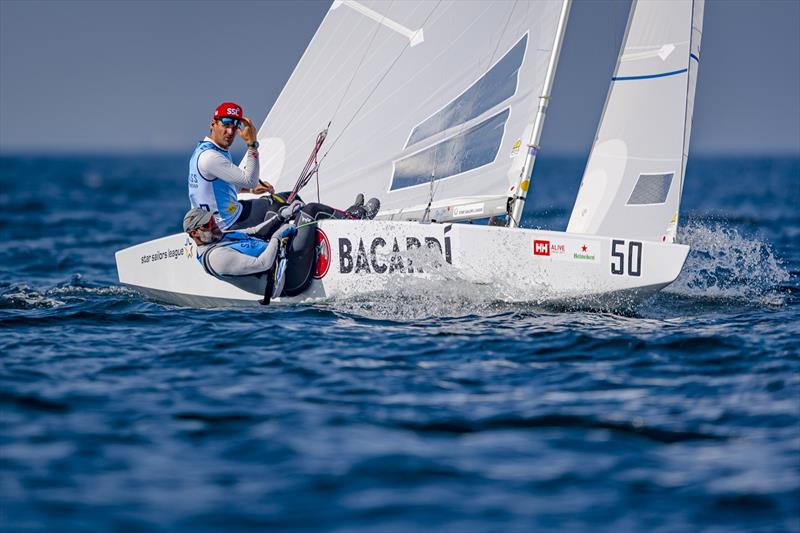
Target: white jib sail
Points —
{"points": [[428, 102], [633, 180]]}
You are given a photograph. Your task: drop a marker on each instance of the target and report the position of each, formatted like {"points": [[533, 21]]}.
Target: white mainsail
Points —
{"points": [[428, 103], [633, 180]]}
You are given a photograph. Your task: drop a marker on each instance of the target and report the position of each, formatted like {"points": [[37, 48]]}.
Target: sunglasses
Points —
{"points": [[207, 225], [227, 121]]}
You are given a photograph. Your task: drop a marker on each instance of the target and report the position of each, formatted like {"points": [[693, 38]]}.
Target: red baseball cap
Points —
{"points": [[229, 109]]}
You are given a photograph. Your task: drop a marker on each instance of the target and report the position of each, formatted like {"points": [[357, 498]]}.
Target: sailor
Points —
{"points": [[248, 252], [215, 181], [246, 257]]}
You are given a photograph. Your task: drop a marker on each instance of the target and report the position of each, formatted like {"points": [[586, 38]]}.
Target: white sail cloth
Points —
{"points": [[633, 180], [427, 100]]}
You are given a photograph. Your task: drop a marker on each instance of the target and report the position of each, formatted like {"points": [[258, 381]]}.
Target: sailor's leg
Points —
{"points": [[257, 210], [307, 219], [302, 256], [267, 228], [253, 213]]}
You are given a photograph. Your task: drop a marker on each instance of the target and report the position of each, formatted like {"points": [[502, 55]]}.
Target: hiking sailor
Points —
{"points": [[244, 254], [241, 257], [215, 181]]}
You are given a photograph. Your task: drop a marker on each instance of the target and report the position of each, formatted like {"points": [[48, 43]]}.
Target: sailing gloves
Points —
{"points": [[288, 212], [286, 231]]}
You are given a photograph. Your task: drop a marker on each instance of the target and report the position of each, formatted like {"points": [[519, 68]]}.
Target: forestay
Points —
{"points": [[633, 180], [426, 101]]}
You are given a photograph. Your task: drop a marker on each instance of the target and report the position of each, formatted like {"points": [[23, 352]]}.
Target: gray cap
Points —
{"points": [[195, 218]]}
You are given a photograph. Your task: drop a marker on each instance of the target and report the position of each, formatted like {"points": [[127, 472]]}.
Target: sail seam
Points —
{"points": [[650, 76], [634, 158]]}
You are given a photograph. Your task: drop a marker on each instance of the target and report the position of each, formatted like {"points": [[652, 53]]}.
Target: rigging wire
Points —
{"points": [[311, 168], [463, 126], [310, 171], [375, 88], [502, 34], [347, 89], [361, 62], [426, 215]]}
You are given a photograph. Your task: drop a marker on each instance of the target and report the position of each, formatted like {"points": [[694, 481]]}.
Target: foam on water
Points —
{"points": [[722, 264], [23, 296], [725, 264], [424, 298], [77, 291], [440, 292]]}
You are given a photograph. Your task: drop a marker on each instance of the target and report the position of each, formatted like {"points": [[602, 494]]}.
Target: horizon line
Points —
{"points": [[134, 152]]}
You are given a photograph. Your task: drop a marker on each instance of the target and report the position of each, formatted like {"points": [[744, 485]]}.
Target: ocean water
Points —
{"points": [[427, 408]]}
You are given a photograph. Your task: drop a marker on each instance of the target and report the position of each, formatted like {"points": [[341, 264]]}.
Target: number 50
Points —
{"points": [[634, 258]]}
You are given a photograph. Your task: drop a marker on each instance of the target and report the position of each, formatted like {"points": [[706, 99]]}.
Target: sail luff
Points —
{"points": [[634, 175], [672, 232], [532, 148], [698, 6]]}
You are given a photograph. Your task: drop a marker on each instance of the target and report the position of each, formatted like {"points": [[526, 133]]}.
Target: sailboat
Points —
{"points": [[437, 109]]}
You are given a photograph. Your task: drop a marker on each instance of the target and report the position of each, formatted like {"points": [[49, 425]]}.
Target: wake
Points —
{"points": [[723, 264]]}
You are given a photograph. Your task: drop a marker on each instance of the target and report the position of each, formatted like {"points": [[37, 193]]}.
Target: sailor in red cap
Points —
{"points": [[214, 179]]}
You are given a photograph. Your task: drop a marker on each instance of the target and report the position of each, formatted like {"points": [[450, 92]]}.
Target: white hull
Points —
{"points": [[364, 257]]}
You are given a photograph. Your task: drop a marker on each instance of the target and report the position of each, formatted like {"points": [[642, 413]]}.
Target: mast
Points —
{"points": [[533, 145]]}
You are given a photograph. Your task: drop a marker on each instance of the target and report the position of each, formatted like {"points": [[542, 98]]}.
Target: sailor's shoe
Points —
{"points": [[372, 208]]}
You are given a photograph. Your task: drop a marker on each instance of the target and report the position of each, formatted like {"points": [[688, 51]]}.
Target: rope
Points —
{"points": [[311, 168], [312, 165], [434, 186], [312, 223], [375, 88], [363, 57], [502, 34]]}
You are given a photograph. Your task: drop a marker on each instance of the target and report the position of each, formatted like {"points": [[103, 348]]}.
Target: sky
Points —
{"points": [[145, 76]]}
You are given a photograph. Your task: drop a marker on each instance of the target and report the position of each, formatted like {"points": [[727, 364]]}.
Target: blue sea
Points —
{"points": [[442, 411]]}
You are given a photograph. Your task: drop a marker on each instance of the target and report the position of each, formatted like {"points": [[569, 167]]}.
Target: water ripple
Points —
{"points": [[434, 406]]}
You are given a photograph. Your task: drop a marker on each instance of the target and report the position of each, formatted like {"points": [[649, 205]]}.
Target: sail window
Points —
{"points": [[497, 85], [471, 149], [651, 189]]}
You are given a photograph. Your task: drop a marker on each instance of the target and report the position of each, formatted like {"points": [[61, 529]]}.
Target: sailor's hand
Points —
{"points": [[263, 187], [248, 131], [288, 212], [286, 231]]}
